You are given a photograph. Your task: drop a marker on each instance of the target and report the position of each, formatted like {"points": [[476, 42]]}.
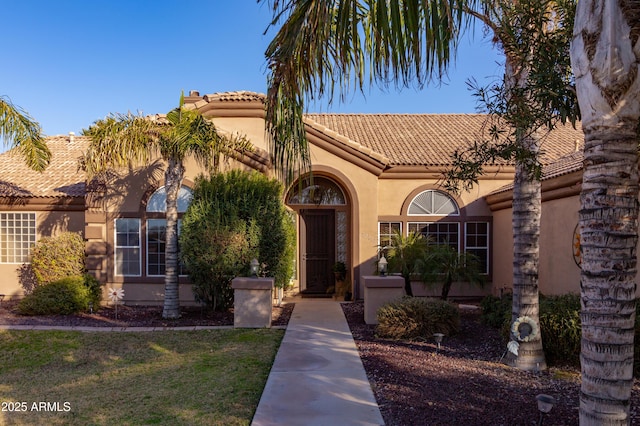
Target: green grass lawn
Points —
{"points": [[212, 377]]}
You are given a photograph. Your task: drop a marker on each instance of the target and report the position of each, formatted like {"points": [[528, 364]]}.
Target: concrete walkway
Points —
{"points": [[317, 377]]}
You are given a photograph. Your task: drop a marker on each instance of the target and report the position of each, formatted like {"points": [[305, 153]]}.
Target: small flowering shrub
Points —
{"points": [[66, 296], [414, 318], [54, 258]]}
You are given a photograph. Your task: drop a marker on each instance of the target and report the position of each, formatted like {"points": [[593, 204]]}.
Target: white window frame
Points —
{"points": [[117, 247], [421, 224], [486, 248], [15, 247], [147, 248], [388, 222]]}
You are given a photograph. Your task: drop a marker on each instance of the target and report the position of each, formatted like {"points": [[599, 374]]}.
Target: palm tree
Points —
{"points": [[606, 63], [324, 46], [124, 140], [443, 264], [403, 255], [21, 133]]}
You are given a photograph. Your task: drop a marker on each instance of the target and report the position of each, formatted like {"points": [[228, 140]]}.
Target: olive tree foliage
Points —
{"points": [[233, 218], [536, 94]]}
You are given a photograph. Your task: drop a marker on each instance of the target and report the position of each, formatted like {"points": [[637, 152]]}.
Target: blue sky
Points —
{"points": [[71, 62]]}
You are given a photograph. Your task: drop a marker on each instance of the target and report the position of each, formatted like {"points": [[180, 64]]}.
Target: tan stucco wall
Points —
{"points": [[558, 273], [49, 223], [502, 236]]}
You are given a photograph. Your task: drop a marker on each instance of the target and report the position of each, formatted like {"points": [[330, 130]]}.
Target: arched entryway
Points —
{"points": [[322, 206]]}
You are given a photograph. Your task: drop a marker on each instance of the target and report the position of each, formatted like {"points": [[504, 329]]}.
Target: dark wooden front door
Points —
{"points": [[319, 249]]}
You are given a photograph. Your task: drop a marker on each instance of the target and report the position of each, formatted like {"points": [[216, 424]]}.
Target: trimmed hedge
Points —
{"points": [[66, 296], [416, 318]]}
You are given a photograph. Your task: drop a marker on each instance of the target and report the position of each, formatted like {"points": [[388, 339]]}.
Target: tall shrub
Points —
{"points": [[215, 249], [61, 256], [224, 199]]}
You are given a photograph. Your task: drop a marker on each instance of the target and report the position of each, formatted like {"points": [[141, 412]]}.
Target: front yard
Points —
{"points": [[211, 377]]}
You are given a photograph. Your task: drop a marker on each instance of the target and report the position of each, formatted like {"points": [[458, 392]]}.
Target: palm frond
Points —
{"points": [[333, 46], [121, 140], [24, 135]]}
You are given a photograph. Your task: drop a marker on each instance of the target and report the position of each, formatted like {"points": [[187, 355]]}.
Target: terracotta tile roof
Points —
{"points": [[564, 165], [429, 139], [61, 179], [239, 96]]}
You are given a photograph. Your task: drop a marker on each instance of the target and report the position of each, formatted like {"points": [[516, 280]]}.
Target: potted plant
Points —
{"points": [[340, 271]]}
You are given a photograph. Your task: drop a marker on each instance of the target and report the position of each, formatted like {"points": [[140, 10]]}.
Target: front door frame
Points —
{"points": [[313, 249], [345, 210]]}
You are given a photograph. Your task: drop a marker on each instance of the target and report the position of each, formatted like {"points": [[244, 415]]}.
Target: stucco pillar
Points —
{"points": [[252, 304], [379, 291]]}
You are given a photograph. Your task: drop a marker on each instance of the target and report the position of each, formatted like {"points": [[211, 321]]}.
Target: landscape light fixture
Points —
{"points": [[253, 267], [438, 338], [382, 266], [545, 404]]}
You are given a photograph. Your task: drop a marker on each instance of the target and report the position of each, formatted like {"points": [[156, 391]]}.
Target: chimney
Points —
{"points": [[194, 93], [577, 146], [72, 137]]}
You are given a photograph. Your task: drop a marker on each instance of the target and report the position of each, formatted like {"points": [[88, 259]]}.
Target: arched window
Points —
{"points": [[323, 191], [158, 201], [133, 234], [433, 203]]}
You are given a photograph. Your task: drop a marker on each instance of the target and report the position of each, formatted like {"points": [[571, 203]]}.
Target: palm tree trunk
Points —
{"points": [[606, 63], [526, 213], [173, 181], [526, 235], [609, 238]]}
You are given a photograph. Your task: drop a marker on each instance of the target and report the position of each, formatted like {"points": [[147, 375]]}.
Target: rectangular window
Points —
{"points": [[127, 255], [477, 242], [17, 236], [438, 233], [386, 230], [156, 247]]}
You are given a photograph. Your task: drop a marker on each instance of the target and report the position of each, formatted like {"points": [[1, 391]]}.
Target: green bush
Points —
{"points": [[560, 327], [94, 288], [66, 296], [414, 318], [496, 311], [236, 202], [214, 253], [559, 324], [54, 258]]}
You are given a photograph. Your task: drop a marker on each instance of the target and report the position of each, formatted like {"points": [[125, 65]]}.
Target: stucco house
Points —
{"points": [[373, 174]]}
